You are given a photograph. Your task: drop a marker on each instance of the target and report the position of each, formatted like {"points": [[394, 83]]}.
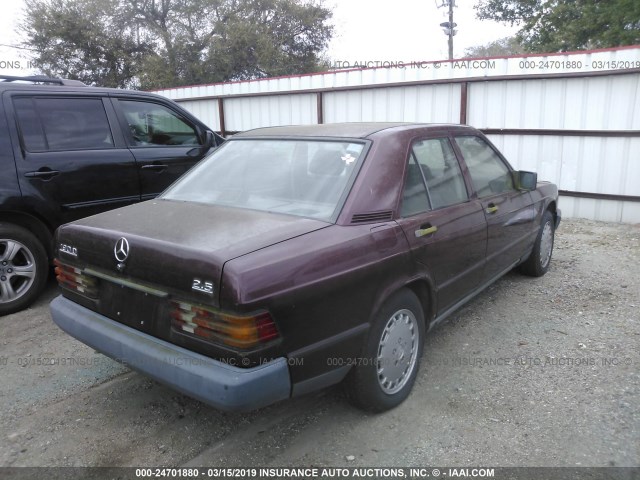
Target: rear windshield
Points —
{"points": [[308, 178]]}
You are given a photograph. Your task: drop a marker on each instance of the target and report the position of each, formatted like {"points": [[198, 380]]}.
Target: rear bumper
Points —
{"points": [[223, 386]]}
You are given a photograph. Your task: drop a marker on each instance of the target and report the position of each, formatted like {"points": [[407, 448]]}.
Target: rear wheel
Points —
{"points": [[538, 262], [23, 268], [384, 376]]}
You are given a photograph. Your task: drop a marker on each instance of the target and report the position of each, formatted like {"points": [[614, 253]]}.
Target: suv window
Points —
{"points": [[154, 124], [489, 174], [434, 179], [63, 123]]}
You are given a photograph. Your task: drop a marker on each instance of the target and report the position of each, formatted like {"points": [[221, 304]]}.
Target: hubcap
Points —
{"points": [[17, 270], [397, 351], [546, 244]]}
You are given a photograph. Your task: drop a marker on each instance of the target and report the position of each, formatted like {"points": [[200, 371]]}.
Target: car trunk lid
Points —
{"points": [[174, 250]]}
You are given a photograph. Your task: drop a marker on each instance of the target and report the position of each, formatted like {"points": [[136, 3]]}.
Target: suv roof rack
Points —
{"points": [[43, 79]]}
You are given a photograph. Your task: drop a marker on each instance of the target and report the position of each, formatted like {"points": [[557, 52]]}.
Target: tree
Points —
{"points": [[167, 43], [504, 46], [564, 25], [83, 41]]}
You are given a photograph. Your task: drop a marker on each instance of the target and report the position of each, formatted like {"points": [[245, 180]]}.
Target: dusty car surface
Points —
{"points": [[293, 258]]}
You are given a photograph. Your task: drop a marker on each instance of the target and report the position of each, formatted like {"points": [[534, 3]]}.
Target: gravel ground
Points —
{"points": [[533, 372]]}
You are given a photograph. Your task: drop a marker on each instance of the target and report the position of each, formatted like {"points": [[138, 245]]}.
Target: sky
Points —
{"points": [[406, 30], [365, 31]]}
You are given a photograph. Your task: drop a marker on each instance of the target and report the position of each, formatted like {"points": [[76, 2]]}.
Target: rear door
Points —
{"points": [[509, 212], [164, 142], [446, 231], [70, 162]]}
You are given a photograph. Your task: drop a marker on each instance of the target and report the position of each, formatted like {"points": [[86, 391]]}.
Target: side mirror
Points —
{"points": [[526, 180], [209, 142], [213, 140], [209, 139]]}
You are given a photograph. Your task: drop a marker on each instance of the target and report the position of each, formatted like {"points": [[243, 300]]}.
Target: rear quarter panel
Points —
{"points": [[321, 289]]}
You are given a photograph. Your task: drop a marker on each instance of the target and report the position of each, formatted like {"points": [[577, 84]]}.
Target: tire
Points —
{"points": [[23, 268], [538, 262], [378, 386]]}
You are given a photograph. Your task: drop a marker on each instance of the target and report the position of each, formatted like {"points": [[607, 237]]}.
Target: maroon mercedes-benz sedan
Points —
{"points": [[293, 258]]}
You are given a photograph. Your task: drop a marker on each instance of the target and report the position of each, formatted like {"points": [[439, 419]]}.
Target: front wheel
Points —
{"points": [[23, 268], [384, 376], [538, 262]]}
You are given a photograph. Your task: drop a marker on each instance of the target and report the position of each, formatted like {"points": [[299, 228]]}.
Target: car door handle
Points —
{"points": [[421, 232], [492, 208], [155, 166], [43, 174]]}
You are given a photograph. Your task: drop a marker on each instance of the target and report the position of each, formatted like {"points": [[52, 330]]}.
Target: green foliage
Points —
{"points": [[166, 43], [564, 25], [503, 47], [82, 40]]}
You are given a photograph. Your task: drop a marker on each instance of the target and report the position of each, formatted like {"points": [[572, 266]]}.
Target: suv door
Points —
{"points": [[70, 162], [164, 142], [446, 231], [510, 213]]}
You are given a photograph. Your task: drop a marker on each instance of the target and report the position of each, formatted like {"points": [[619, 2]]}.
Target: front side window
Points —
{"points": [[489, 174], [154, 124], [307, 178], [50, 124]]}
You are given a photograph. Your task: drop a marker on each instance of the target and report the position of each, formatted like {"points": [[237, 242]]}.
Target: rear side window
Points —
{"points": [[153, 124], [414, 195], [50, 124], [445, 183], [434, 179], [30, 125]]}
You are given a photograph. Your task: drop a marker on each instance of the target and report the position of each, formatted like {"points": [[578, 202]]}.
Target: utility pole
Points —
{"points": [[451, 31], [448, 27]]}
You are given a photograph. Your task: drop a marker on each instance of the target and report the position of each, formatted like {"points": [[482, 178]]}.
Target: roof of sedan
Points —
{"points": [[347, 130]]}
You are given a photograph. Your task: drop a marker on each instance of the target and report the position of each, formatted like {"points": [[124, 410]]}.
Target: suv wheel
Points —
{"points": [[23, 268], [384, 376]]}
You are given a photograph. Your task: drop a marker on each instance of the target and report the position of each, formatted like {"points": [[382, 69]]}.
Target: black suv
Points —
{"points": [[68, 151]]}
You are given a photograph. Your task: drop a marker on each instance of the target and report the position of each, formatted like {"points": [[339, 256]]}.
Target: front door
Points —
{"points": [[164, 143], [509, 212]]}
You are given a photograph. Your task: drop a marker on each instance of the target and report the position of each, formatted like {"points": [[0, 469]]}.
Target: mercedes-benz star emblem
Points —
{"points": [[121, 250]]}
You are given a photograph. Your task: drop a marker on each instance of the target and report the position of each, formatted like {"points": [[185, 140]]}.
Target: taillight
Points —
{"points": [[75, 280], [233, 330]]}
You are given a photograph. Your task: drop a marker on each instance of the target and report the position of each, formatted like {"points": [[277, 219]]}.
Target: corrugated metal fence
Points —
{"points": [[574, 118]]}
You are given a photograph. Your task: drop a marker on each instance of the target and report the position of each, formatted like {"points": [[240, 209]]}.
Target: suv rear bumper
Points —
{"points": [[223, 386]]}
